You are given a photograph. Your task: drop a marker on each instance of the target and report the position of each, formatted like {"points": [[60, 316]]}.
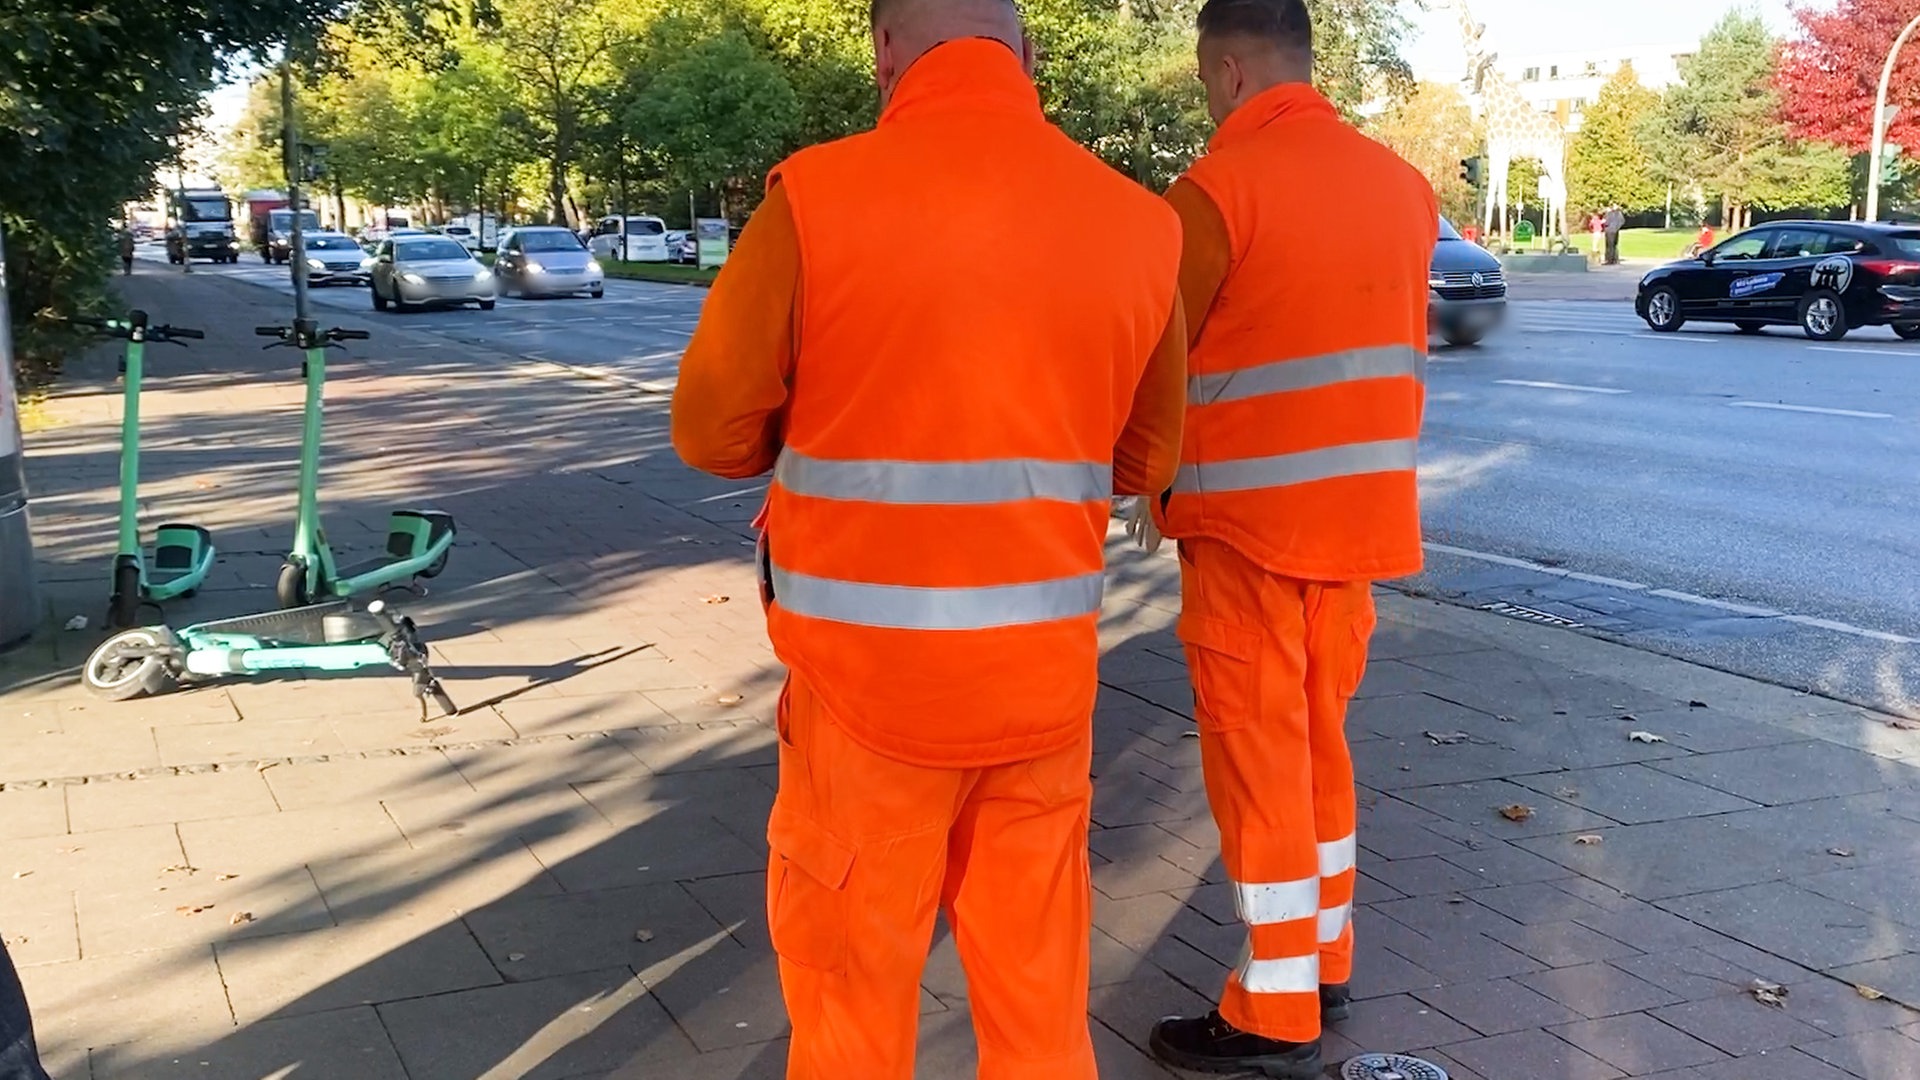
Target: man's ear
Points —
{"points": [[1029, 54], [883, 67]]}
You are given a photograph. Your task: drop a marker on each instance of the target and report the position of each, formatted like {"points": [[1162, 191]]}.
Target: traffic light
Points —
{"points": [[1472, 170]]}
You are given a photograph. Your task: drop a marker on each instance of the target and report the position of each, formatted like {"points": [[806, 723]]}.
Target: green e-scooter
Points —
{"points": [[325, 637], [417, 540], [182, 553]]}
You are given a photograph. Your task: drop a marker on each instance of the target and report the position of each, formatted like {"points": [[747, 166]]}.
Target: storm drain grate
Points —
{"points": [[1532, 615]]}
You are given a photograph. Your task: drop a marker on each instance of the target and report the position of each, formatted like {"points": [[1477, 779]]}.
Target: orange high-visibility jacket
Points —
{"points": [[935, 526], [1305, 382]]}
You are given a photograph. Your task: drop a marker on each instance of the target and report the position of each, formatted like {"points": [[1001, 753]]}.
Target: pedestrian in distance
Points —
{"points": [[1596, 225], [945, 431], [19, 1057], [1616, 220], [126, 249], [1296, 492]]}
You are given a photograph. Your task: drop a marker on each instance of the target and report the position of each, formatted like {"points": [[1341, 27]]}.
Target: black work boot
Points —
{"points": [[1210, 1044], [1336, 1003]]}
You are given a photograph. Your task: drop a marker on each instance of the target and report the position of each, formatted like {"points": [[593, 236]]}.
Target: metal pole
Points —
{"points": [[290, 153], [1880, 121], [19, 592], [180, 215]]}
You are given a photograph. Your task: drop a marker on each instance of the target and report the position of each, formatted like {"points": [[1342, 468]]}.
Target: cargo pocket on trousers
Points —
{"points": [[1362, 624], [807, 892], [1224, 659]]}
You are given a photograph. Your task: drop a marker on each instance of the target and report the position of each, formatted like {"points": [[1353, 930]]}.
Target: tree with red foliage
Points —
{"points": [[1830, 68]]}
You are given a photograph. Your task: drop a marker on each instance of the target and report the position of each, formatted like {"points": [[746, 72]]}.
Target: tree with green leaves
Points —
{"points": [[1608, 165], [1433, 127], [722, 115]]}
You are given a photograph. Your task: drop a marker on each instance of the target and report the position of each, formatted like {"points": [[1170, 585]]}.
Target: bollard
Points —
{"points": [[19, 593]]}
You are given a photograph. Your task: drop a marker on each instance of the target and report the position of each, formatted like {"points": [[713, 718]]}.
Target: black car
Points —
{"points": [[1826, 277], [1467, 294]]}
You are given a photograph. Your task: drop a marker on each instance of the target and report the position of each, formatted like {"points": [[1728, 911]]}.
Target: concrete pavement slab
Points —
{"points": [[359, 963], [1896, 976], [1529, 1055], [31, 812], [171, 998], [167, 799], [570, 933], [1597, 990], [1637, 1044], [198, 907], [1773, 775], [246, 741], [342, 1043], [300, 785], [1737, 1024], [1878, 1055], [1496, 1007], [279, 841], [1776, 917]]}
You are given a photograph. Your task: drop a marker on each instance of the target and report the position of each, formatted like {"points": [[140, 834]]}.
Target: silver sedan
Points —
{"points": [[411, 271], [544, 260]]}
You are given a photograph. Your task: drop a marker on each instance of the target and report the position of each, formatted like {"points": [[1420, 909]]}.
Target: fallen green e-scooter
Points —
{"points": [[417, 540], [325, 637], [182, 553]]}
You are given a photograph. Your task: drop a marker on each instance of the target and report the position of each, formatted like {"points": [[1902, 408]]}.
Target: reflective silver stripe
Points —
{"points": [[944, 483], [1333, 923], [1337, 856], [1308, 373], [1260, 904], [902, 607], [1253, 474], [1290, 975]]}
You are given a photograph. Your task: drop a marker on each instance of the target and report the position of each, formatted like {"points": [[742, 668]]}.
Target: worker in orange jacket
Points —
{"points": [[946, 426], [1296, 491]]}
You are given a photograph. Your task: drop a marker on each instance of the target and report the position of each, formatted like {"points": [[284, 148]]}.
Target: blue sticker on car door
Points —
{"points": [[1755, 284]]}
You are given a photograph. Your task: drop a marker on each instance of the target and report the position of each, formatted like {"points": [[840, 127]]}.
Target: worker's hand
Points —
{"points": [[1140, 526]]}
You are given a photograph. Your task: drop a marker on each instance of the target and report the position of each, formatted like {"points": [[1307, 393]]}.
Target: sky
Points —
{"points": [[1519, 27]]}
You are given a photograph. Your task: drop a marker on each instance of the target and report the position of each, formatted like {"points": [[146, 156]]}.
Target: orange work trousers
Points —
{"points": [[1274, 663], [866, 849]]}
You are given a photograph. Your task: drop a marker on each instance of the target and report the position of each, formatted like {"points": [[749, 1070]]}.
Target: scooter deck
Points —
{"points": [[322, 624]]}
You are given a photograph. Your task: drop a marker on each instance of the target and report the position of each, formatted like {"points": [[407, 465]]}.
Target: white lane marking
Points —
{"points": [[1778, 407], [1561, 386], [1858, 351], [1833, 625]]}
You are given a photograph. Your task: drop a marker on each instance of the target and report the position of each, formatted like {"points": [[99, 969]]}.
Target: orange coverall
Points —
{"points": [[906, 787], [1297, 492]]}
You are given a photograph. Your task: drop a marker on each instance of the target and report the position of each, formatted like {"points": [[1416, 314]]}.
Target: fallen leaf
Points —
{"points": [[643, 935], [226, 877], [1567, 793], [1516, 812], [718, 599], [18, 874], [1645, 737], [1406, 768], [1559, 712], [78, 622], [1629, 718], [1768, 993], [239, 917], [1509, 719], [1696, 704], [1845, 853], [515, 957], [431, 732], [192, 909], [1447, 738], [1868, 992], [1904, 725], [1456, 900], [729, 699], [181, 868], [1589, 838], [264, 766]]}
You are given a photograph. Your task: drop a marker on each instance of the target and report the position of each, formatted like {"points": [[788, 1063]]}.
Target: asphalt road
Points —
{"points": [[1745, 502]]}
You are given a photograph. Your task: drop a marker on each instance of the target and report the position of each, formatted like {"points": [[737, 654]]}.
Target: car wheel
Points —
{"points": [[486, 305], [1663, 310], [379, 302], [597, 293], [1460, 336], [1908, 331], [1748, 326], [1822, 316]]}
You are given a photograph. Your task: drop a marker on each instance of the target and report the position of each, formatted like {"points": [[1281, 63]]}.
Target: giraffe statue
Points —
{"points": [[1516, 129]]}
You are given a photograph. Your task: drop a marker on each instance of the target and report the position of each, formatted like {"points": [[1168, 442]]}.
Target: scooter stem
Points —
{"points": [[130, 438], [307, 536]]}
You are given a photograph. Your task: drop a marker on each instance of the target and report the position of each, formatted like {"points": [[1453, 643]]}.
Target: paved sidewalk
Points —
{"points": [[297, 878]]}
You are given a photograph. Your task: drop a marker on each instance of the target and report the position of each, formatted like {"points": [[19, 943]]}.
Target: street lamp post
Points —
{"points": [[1882, 119]]}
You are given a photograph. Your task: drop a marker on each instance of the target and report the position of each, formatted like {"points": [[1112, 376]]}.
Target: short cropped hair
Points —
{"points": [[1284, 24], [880, 9]]}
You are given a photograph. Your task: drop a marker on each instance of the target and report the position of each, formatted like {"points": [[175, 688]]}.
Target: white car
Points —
{"points": [[463, 234], [646, 239], [421, 270]]}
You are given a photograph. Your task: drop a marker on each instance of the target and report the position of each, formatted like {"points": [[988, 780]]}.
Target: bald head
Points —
{"points": [[1247, 46], [905, 30]]}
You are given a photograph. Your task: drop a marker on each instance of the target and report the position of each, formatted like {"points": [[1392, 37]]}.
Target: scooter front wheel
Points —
{"points": [[291, 588], [132, 664]]}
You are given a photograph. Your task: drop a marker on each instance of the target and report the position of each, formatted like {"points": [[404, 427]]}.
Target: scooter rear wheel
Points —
{"points": [[291, 587], [113, 675]]}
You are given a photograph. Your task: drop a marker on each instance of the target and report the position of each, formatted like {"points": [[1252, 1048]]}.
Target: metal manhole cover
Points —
{"points": [[1533, 615], [1390, 1067]]}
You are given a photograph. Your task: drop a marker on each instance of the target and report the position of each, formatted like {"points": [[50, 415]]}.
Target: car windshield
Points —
{"points": [[642, 227], [330, 243], [1447, 231], [428, 251], [549, 240], [207, 210]]}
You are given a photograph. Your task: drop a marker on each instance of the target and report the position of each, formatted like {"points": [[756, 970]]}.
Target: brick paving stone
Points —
{"points": [[1772, 775], [1711, 730], [1737, 1024], [1898, 977], [1407, 715], [549, 1029], [1664, 858], [1504, 864], [1468, 957], [1134, 864], [1648, 928], [1772, 1065], [1445, 916], [1537, 902], [1455, 1070], [1401, 763], [1425, 876], [1638, 1044], [1564, 944], [1478, 803], [1530, 1055], [1886, 889], [1873, 1055], [1837, 1008], [1635, 794], [1380, 972], [1368, 890], [1136, 921], [342, 1043], [1777, 916], [1131, 1008], [167, 799], [1496, 1007], [1401, 1022], [1597, 990]]}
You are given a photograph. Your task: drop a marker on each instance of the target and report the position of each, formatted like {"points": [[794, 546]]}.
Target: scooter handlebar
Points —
{"points": [[348, 335], [180, 332], [270, 331]]}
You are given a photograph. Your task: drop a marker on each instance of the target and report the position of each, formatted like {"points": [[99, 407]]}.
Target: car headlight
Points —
{"points": [[533, 267], [482, 274], [233, 244], [1435, 281], [413, 279], [593, 266], [316, 264]]}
